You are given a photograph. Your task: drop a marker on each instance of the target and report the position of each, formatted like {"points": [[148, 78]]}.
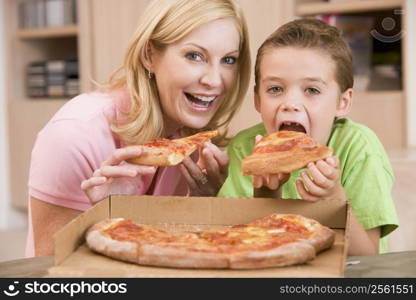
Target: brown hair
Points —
{"points": [[316, 34]]}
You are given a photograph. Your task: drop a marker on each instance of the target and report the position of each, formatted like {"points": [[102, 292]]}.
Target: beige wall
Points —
{"points": [[112, 26]]}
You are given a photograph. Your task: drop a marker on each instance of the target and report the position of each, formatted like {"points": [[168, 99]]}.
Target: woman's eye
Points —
{"points": [[313, 91], [229, 60], [275, 90], [194, 56]]}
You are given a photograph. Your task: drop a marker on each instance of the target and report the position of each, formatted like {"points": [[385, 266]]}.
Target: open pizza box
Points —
{"points": [[74, 259]]}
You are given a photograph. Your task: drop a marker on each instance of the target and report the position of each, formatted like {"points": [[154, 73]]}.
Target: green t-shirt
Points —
{"points": [[361, 156]]}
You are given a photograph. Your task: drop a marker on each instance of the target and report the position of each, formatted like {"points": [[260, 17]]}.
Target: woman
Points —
{"points": [[186, 70]]}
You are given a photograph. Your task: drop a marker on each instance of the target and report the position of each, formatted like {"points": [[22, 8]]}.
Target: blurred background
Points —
{"points": [[51, 50]]}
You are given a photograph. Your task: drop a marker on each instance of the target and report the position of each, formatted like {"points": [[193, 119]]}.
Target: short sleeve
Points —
{"points": [[65, 153], [236, 184], [369, 189]]}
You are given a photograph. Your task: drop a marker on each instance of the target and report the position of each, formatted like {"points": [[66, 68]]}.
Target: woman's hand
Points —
{"points": [[206, 177], [321, 180], [116, 176]]}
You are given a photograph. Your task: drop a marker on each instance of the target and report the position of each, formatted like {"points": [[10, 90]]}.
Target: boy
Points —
{"points": [[303, 82]]}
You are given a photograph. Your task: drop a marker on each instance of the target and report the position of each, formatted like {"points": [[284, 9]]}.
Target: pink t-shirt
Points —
{"points": [[73, 144]]}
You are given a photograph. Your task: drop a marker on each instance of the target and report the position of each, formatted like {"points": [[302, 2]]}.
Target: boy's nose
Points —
{"points": [[290, 107]]}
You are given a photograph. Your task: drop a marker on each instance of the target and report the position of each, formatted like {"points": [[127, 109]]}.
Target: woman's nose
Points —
{"points": [[212, 77]]}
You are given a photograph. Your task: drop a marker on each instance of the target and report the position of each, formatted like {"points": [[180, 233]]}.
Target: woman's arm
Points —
{"points": [[46, 220]]}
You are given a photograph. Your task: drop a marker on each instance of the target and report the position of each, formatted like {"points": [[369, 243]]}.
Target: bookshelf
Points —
{"points": [[381, 108], [27, 42], [98, 39]]}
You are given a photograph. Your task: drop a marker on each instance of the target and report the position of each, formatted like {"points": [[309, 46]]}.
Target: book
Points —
{"points": [[54, 78], [55, 13], [47, 13], [36, 79]]}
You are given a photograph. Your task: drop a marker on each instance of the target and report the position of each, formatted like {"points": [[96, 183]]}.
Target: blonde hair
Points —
{"points": [[315, 34], [163, 23]]}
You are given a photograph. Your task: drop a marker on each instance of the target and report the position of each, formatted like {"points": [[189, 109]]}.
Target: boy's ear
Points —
{"points": [[257, 102], [146, 56], [344, 104]]}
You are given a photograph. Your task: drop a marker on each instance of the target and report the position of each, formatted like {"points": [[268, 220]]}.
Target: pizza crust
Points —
{"points": [[323, 239], [285, 255], [100, 243], [156, 255]]}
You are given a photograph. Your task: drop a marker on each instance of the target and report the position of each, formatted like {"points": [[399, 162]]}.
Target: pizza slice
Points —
{"points": [[283, 152], [165, 152]]}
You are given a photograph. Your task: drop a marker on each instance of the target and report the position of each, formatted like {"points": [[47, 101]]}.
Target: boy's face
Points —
{"points": [[297, 91]]}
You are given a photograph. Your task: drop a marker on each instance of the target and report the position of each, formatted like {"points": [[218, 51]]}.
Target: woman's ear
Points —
{"points": [[344, 104], [146, 57]]}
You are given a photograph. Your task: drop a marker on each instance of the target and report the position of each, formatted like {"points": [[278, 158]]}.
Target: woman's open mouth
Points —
{"points": [[200, 102]]}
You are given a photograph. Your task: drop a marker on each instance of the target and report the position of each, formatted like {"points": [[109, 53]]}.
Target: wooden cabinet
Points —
{"points": [[27, 116], [384, 111], [98, 40]]}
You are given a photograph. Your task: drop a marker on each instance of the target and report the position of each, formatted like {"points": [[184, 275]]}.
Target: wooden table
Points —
{"points": [[396, 264]]}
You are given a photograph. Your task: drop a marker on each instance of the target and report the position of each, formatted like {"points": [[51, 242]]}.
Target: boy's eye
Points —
{"points": [[312, 91], [194, 56], [229, 60], [275, 90]]}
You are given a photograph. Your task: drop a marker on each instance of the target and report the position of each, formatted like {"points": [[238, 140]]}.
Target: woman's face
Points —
{"points": [[195, 74]]}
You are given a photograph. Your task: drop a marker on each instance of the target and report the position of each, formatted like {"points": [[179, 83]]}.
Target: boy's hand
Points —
{"points": [[321, 180], [271, 181]]}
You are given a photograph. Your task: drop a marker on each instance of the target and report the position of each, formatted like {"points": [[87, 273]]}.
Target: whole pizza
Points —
{"points": [[274, 241]]}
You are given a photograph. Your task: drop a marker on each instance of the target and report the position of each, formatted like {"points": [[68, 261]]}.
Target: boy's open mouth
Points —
{"points": [[292, 126]]}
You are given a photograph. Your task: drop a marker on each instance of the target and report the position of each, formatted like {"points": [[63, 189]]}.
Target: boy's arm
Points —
{"points": [[362, 242]]}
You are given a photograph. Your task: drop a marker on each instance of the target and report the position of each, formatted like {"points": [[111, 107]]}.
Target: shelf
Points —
{"points": [[48, 32], [354, 6]]}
